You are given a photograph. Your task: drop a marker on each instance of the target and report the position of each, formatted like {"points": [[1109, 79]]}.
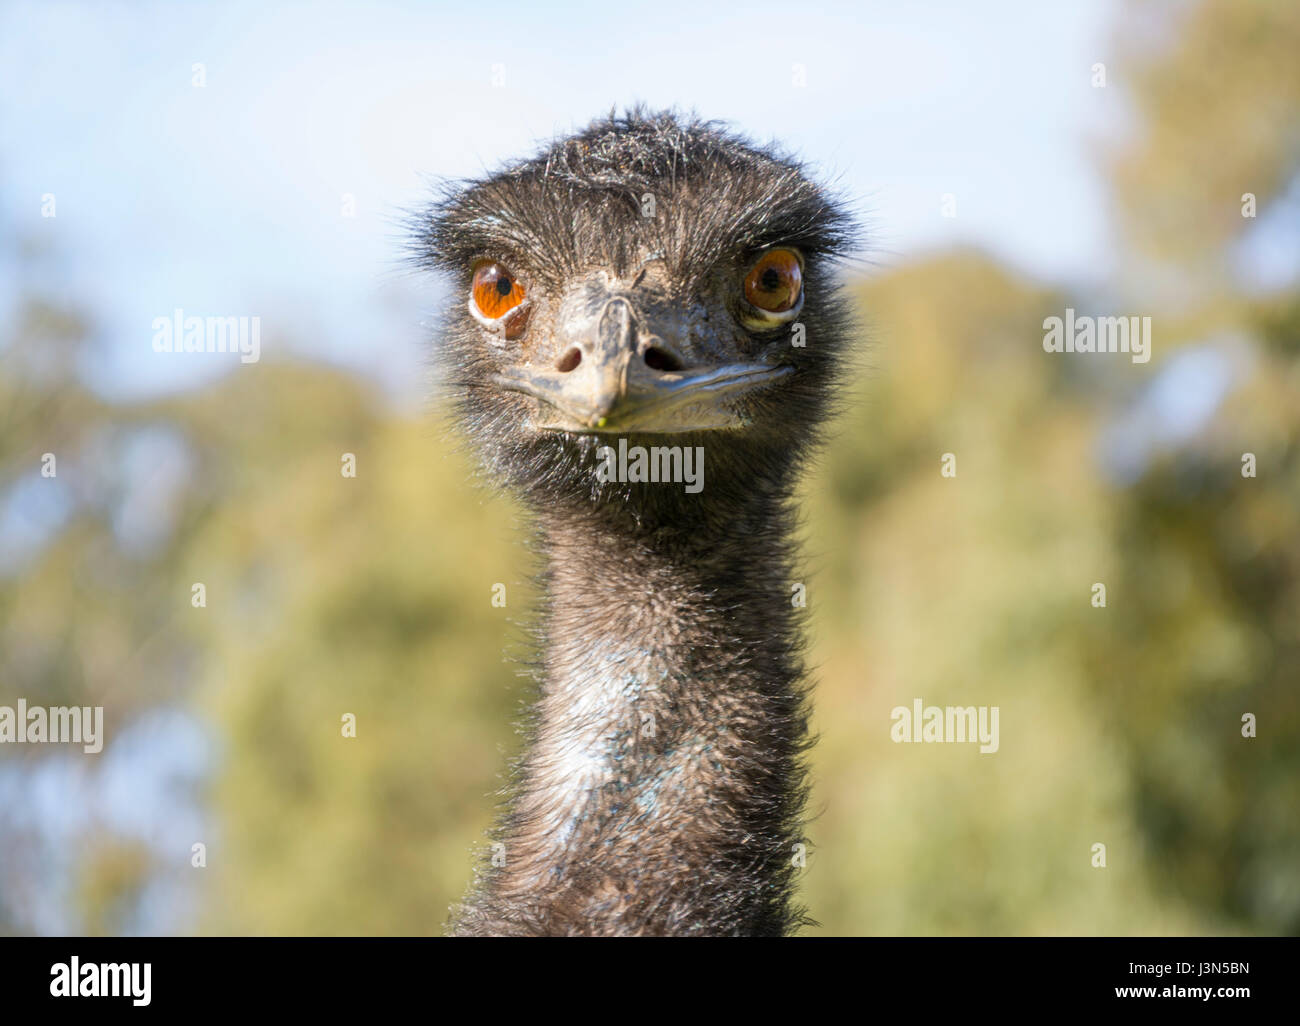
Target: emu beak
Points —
{"points": [[604, 384]]}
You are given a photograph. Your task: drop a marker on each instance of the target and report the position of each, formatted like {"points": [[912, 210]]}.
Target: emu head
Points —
{"points": [[651, 278]]}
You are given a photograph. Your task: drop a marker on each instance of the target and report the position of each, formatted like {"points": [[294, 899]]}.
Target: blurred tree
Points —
{"points": [[86, 614], [1205, 618], [1215, 87], [966, 591], [369, 597]]}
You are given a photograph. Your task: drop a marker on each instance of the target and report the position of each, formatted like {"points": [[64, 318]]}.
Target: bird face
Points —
{"points": [[651, 275], [611, 354]]}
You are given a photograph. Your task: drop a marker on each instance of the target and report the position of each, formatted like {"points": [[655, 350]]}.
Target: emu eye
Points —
{"points": [[496, 292], [775, 282]]}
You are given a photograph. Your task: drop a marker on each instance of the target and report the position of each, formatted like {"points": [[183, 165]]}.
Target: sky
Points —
{"points": [[227, 198]]}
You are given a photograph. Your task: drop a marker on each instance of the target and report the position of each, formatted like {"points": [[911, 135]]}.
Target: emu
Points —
{"points": [[655, 280]]}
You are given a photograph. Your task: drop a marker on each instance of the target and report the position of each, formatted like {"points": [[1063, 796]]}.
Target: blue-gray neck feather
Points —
{"points": [[661, 790]]}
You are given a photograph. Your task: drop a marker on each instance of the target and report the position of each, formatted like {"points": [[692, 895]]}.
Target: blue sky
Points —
{"points": [[227, 199]]}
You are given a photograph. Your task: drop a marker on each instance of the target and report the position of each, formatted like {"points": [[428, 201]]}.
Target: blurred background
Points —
{"points": [[1009, 160]]}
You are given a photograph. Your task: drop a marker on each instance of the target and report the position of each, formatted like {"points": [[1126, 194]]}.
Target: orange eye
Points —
{"points": [[496, 291], [775, 282]]}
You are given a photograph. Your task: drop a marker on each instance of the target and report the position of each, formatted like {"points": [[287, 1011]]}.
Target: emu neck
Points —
{"points": [[661, 791]]}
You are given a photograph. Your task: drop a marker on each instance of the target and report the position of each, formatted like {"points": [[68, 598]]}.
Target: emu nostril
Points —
{"points": [[661, 360], [569, 360]]}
